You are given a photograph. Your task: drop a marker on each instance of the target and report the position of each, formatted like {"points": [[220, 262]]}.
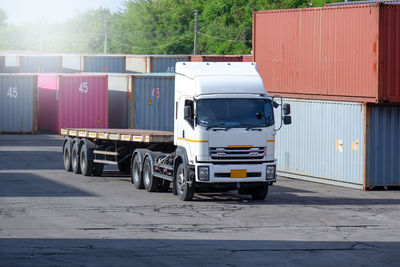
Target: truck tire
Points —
{"points": [[67, 156], [75, 158], [150, 182], [86, 163], [98, 169], [259, 193], [185, 191], [164, 185], [136, 175]]}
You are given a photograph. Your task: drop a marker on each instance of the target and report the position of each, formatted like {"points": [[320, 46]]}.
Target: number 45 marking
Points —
{"points": [[12, 92], [83, 88]]}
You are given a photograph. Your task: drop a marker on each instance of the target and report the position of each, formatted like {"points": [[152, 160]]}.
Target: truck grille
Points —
{"points": [[236, 153]]}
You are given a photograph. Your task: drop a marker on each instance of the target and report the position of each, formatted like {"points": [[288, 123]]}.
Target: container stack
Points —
{"points": [[339, 69]]}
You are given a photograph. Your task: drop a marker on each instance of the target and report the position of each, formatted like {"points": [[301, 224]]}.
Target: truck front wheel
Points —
{"points": [[259, 193], [185, 190]]}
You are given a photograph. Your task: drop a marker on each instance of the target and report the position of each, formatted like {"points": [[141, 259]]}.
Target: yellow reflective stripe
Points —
{"points": [[194, 141], [271, 141], [240, 146]]}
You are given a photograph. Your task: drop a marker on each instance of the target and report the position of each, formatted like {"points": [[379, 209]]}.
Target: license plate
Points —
{"points": [[238, 173]]}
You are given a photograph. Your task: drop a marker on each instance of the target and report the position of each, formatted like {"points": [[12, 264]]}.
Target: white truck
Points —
{"points": [[223, 139]]}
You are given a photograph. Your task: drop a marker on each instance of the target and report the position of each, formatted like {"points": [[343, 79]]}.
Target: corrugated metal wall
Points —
{"points": [[383, 154], [325, 142], [338, 53], [104, 64], [138, 64], [166, 63], [154, 102], [389, 52], [83, 101], [40, 64], [119, 88], [72, 63], [18, 103]]}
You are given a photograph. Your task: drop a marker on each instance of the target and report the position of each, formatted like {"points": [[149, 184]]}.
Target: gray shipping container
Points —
{"points": [[349, 144], [114, 64], [2, 64], [152, 106], [28, 64], [166, 63], [18, 103]]}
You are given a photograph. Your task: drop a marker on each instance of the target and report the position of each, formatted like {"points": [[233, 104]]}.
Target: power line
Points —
{"points": [[223, 39]]}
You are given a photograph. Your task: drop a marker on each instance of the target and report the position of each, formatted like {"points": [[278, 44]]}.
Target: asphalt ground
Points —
{"points": [[50, 217]]}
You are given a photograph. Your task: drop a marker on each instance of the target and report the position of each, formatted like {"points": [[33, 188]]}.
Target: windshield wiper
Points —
{"points": [[234, 126], [256, 125], [215, 125]]}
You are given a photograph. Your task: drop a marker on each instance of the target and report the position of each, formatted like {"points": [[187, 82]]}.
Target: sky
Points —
{"points": [[52, 11]]}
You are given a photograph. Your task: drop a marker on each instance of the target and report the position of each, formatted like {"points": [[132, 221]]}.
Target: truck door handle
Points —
{"points": [[183, 134]]}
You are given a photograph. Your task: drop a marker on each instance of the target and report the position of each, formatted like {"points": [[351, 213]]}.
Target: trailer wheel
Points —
{"points": [[259, 193], [67, 156], [150, 182], [164, 185], [98, 169], [85, 163], [75, 158], [136, 177], [185, 191]]}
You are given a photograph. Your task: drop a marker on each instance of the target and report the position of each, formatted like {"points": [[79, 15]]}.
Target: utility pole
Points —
{"points": [[195, 32], [105, 35]]}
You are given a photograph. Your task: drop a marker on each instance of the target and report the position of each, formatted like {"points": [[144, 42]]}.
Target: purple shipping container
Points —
{"points": [[72, 101]]}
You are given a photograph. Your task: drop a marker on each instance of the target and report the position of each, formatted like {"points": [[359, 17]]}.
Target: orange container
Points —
{"points": [[337, 53]]}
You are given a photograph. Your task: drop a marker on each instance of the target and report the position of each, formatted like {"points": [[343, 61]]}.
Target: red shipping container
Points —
{"points": [[338, 53], [216, 58], [72, 101]]}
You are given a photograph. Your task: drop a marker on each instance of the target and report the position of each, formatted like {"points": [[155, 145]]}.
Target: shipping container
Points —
{"points": [[216, 58], [18, 103], [104, 64], [160, 64], [72, 101], [33, 64], [340, 53], [138, 64], [119, 93], [2, 64], [351, 144], [72, 63], [11, 64], [361, 3], [248, 58], [152, 107]]}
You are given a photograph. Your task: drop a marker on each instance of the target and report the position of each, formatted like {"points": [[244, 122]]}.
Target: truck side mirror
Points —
{"points": [[286, 109], [187, 113], [287, 120]]}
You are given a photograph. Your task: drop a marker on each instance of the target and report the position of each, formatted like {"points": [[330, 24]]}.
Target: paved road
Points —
{"points": [[51, 217]]}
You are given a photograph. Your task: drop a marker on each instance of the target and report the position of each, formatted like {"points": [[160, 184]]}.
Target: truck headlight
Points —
{"points": [[204, 173], [270, 172]]}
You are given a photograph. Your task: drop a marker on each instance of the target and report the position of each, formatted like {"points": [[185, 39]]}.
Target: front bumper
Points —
{"points": [[221, 173]]}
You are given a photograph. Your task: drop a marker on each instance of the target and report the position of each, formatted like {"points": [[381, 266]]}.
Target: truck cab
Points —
{"points": [[224, 127]]}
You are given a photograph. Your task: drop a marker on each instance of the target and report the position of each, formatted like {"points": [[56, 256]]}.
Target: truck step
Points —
{"points": [[105, 161], [110, 153]]}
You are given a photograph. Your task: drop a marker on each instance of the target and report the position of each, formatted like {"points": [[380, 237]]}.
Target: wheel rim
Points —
{"points": [[74, 158], [181, 182], [136, 173], [83, 162], [147, 175], [66, 157]]}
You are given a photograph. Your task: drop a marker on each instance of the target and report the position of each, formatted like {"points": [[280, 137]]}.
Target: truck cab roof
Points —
{"points": [[219, 78]]}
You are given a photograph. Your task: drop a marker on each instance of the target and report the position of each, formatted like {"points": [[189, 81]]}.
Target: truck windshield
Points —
{"points": [[230, 113]]}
